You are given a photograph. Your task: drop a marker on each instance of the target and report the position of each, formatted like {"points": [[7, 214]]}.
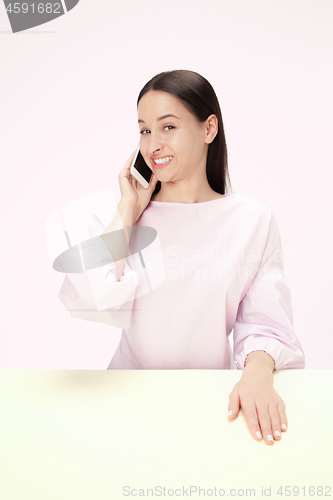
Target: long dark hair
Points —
{"points": [[199, 97]]}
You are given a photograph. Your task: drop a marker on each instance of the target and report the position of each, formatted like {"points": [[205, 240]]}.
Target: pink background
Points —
{"points": [[68, 124]]}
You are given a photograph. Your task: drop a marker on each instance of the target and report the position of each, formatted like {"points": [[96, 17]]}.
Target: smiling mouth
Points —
{"points": [[161, 162]]}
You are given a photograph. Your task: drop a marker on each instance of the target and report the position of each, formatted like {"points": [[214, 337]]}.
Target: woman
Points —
{"points": [[222, 255]]}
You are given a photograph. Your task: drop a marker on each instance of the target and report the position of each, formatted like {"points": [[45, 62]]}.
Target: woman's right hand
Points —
{"points": [[132, 193]]}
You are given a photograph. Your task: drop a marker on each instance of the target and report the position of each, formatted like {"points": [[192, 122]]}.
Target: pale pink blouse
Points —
{"points": [[214, 267]]}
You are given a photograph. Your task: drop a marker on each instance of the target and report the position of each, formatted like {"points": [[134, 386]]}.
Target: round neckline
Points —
{"points": [[193, 204]]}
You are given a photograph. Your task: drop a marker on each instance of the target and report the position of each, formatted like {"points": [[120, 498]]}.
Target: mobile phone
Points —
{"points": [[140, 170]]}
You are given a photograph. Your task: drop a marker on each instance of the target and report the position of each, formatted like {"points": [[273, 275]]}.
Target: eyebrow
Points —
{"points": [[162, 118]]}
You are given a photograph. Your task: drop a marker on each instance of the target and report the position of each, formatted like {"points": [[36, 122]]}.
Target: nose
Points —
{"points": [[155, 144]]}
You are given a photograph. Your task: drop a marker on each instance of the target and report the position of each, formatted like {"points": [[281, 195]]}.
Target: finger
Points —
{"points": [[275, 421], [251, 417], [130, 159], [283, 416], [233, 407], [153, 181], [125, 171], [265, 424]]}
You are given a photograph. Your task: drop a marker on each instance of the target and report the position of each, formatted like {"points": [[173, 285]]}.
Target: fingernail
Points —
{"points": [[269, 437], [230, 412], [284, 426], [258, 435], [277, 433]]}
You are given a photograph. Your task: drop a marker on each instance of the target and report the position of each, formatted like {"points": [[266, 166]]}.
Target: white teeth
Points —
{"points": [[162, 161]]}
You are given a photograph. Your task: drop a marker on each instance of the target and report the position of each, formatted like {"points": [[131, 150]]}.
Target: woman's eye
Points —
{"points": [[145, 131]]}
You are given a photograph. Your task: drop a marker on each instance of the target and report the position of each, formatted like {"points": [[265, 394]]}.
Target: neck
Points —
{"points": [[187, 197]]}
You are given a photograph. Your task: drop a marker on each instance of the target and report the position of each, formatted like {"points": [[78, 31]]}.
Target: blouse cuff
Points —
{"points": [[272, 347], [288, 356], [107, 291]]}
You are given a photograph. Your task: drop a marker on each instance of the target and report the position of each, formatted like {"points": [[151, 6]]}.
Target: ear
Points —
{"points": [[211, 128]]}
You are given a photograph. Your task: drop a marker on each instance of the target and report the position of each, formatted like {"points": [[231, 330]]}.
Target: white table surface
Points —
{"points": [[88, 434]]}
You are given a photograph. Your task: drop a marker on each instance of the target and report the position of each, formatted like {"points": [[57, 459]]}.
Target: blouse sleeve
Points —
{"points": [[96, 295], [264, 316]]}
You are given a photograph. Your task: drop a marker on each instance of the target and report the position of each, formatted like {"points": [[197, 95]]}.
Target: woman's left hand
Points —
{"points": [[264, 410]]}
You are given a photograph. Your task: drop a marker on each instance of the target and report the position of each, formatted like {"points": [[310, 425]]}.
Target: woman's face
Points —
{"points": [[179, 143]]}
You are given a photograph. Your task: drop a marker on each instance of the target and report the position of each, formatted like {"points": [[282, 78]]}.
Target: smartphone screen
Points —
{"points": [[141, 166]]}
